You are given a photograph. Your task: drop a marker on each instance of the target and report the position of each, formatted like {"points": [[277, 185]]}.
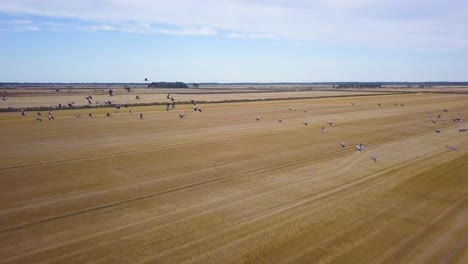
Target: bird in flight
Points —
{"points": [[452, 148]]}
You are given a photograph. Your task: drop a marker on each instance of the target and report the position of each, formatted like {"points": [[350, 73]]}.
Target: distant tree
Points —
{"points": [[358, 85], [195, 85], [167, 85]]}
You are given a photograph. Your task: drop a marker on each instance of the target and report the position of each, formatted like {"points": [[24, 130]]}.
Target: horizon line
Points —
{"points": [[254, 83]]}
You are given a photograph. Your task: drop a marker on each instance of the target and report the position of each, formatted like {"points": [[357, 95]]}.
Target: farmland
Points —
{"points": [[218, 186], [24, 98]]}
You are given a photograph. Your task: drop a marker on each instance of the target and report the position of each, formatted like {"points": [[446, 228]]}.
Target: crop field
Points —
{"points": [[220, 186], [23, 98]]}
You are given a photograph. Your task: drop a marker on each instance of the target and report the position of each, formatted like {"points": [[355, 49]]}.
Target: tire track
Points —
{"points": [[375, 232], [285, 165], [332, 192], [288, 187], [392, 253], [277, 166]]}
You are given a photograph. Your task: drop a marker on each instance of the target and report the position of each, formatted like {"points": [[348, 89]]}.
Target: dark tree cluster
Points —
{"points": [[167, 85], [358, 85]]}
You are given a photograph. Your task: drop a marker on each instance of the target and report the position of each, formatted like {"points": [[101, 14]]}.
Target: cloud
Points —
{"points": [[428, 24], [202, 31], [18, 25], [148, 29]]}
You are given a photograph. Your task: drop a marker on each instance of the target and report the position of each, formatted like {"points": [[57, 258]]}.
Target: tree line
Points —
{"points": [[358, 85], [167, 85]]}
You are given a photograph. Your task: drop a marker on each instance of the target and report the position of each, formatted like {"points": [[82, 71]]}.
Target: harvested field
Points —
{"points": [[24, 98], [218, 186], [435, 89]]}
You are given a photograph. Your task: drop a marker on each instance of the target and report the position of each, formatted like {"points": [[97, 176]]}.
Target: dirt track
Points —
{"points": [[221, 187]]}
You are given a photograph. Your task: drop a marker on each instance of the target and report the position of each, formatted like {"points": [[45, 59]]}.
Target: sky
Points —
{"points": [[233, 40]]}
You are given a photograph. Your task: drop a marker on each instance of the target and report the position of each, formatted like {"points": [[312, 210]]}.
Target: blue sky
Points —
{"points": [[233, 40]]}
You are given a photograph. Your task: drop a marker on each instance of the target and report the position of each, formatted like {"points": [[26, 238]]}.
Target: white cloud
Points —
{"points": [[429, 24], [202, 31], [148, 29], [18, 25]]}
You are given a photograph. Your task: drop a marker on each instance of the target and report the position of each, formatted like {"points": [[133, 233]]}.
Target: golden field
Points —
{"points": [[24, 98], [221, 187]]}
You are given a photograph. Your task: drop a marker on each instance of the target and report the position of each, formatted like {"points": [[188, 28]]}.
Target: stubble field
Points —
{"points": [[24, 98], [218, 186]]}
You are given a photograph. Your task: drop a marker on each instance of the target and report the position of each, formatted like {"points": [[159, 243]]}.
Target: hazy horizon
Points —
{"points": [[252, 83]]}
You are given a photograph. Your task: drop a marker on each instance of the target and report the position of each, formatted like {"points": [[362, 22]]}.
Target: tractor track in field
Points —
{"points": [[281, 165], [223, 187], [328, 193]]}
